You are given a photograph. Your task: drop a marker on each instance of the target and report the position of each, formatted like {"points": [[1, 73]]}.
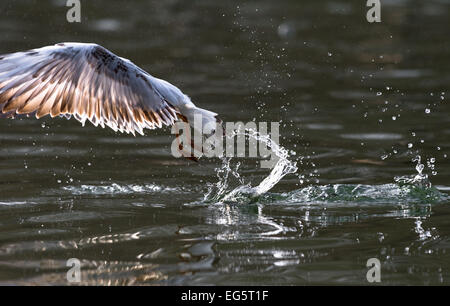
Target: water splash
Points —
{"points": [[220, 190], [413, 189], [420, 179], [357, 195], [115, 188]]}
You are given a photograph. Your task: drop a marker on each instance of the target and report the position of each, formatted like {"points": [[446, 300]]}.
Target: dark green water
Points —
{"points": [[357, 103]]}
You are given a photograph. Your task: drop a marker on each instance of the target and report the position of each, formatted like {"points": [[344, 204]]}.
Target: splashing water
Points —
{"points": [[358, 195], [409, 189], [420, 179], [219, 191], [413, 189], [119, 189]]}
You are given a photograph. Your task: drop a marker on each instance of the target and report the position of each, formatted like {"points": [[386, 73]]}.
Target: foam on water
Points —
{"points": [[358, 194], [115, 188]]}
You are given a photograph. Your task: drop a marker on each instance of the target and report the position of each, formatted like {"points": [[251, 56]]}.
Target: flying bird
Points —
{"points": [[88, 82]]}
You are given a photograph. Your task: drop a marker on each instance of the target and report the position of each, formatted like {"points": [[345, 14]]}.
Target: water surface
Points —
{"points": [[358, 104]]}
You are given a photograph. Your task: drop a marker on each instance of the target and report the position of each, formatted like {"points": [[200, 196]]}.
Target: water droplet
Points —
{"points": [[286, 30]]}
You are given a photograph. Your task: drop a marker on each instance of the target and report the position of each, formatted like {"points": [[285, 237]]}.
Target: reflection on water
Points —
{"points": [[93, 272], [364, 149]]}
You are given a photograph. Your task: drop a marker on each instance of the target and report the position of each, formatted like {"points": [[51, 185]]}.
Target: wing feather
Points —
{"points": [[85, 81]]}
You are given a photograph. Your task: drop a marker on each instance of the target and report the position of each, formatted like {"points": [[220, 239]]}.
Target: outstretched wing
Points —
{"points": [[83, 80]]}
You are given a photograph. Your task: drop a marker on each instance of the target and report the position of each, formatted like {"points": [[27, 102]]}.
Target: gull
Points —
{"points": [[89, 82]]}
